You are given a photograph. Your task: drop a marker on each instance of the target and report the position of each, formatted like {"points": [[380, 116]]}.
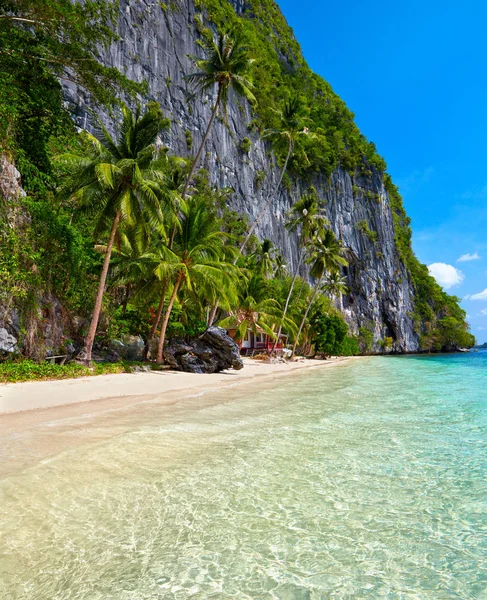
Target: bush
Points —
{"points": [[328, 333], [245, 145]]}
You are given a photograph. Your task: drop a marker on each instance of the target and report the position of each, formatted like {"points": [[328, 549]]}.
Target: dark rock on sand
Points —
{"points": [[212, 352]]}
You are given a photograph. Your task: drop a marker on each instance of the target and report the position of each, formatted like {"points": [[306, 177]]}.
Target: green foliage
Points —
{"points": [[349, 347], [189, 139], [28, 370], [365, 339], [386, 343], [363, 226], [280, 74], [328, 333], [245, 145], [259, 179], [309, 127]]}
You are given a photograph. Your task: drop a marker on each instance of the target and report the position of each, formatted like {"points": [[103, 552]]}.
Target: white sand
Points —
{"points": [[42, 419], [17, 397]]}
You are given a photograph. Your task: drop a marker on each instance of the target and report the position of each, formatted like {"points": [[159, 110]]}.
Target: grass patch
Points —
{"points": [[28, 370]]}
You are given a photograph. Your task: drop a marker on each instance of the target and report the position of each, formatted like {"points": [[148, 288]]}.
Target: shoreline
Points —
{"points": [[49, 418], [32, 396]]}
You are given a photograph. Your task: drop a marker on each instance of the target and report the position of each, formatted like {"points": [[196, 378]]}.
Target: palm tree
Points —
{"points": [[167, 228], [285, 138], [326, 255], [254, 310], [120, 181], [336, 286], [227, 66], [264, 258], [195, 261], [280, 267], [304, 215]]}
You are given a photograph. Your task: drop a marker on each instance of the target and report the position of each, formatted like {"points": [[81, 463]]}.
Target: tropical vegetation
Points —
{"points": [[118, 236]]}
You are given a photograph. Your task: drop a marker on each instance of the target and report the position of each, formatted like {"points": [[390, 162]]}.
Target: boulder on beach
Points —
{"points": [[211, 352]]}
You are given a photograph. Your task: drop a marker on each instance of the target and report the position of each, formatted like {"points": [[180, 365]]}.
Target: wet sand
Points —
{"points": [[41, 419]]}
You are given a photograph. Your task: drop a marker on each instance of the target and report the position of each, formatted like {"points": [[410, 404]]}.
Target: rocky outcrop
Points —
{"points": [[8, 343], [212, 352], [129, 347], [154, 46], [10, 188]]}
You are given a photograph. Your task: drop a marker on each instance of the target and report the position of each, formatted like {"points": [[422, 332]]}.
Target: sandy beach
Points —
{"points": [[42, 418]]}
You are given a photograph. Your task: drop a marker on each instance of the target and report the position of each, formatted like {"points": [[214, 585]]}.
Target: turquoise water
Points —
{"points": [[365, 480]]}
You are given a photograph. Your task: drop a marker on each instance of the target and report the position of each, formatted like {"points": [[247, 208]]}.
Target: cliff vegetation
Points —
{"points": [[111, 236]]}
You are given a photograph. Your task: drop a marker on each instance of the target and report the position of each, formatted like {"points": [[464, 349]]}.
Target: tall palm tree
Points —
{"points": [[226, 66], [326, 255], [119, 181], [292, 126], [167, 228], [336, 285], [195, 259], [304, 216]]}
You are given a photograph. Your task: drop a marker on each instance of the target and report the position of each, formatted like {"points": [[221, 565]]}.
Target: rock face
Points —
{"points": [[10, 188], [154, 46], [7, 341], [130, 347], [212, 352]]}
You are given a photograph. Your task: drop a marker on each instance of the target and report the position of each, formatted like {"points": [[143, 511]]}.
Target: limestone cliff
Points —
{"points": [[155, 41]]}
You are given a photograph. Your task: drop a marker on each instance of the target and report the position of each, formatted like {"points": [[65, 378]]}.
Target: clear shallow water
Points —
{"points": [[365, 480]]}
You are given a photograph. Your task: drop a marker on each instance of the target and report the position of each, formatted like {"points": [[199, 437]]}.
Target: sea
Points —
{"points": [[364, 480]]}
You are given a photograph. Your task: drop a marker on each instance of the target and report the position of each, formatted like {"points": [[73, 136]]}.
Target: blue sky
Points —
{"points": [[414, 74]]}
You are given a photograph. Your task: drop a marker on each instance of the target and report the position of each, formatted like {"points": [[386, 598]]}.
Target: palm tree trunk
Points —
{"points": [[269, 201], [126, 299], [200, 151], [317, 288], [212, 316], [340, 301], [165, 321], [159, 313], [85, 354], [288, 299]]}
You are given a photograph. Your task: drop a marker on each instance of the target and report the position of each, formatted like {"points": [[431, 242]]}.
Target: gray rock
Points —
{"points": [[212, 352], [7, 341], [130, 347], [154, 46]]}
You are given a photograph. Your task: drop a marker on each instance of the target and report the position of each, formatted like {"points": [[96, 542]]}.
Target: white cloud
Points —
{"points": [[468, 257], [446, 275], [484, 312], [479, 296]]}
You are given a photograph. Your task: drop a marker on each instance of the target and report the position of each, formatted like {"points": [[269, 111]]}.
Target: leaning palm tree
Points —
{"points": [[196, 259], [226, 66], [285, 138], [336, 285], [119, 181], [305, 216], [326, 255]]}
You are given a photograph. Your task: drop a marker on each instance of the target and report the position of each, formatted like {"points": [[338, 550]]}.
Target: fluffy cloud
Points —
{"points": [[446, 275], [468, 257], [484, 312], [479, 296]]}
